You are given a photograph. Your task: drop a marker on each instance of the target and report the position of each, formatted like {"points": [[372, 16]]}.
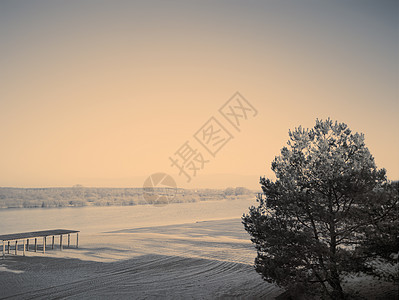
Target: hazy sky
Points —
{"points": [[103, 93]]}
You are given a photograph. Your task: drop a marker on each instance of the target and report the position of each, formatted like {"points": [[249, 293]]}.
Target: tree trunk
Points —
{"points": [[335, 283], [334, 280]]}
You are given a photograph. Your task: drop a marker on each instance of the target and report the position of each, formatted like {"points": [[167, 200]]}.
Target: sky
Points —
{"points": [[106, 93]]}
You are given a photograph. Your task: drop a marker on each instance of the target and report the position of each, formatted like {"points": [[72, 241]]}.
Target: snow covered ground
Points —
{"points": [[178, 251]]}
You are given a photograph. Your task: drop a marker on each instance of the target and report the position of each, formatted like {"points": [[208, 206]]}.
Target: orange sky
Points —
{"points": [[102, 93]]}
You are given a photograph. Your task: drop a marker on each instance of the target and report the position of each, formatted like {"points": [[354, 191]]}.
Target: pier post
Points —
{"points": [[27, 244]]}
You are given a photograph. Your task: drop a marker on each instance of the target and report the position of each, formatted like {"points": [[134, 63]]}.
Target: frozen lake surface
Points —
{"points": [[178, 251]]}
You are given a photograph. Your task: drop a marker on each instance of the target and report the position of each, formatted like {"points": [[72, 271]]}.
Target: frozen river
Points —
{"points": [[188, 250]]}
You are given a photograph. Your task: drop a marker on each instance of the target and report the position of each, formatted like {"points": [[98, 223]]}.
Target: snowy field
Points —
{"points": [[178, 251]]}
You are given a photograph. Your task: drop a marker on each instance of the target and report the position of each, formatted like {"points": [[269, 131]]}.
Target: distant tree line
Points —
{"points": [[79, 196]]}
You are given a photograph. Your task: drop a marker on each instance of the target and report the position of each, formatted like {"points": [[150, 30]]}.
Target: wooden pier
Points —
{"points": [[41, 235]]}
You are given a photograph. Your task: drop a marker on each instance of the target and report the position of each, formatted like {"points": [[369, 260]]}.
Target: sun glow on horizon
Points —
{"points": [[102, 93]]}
